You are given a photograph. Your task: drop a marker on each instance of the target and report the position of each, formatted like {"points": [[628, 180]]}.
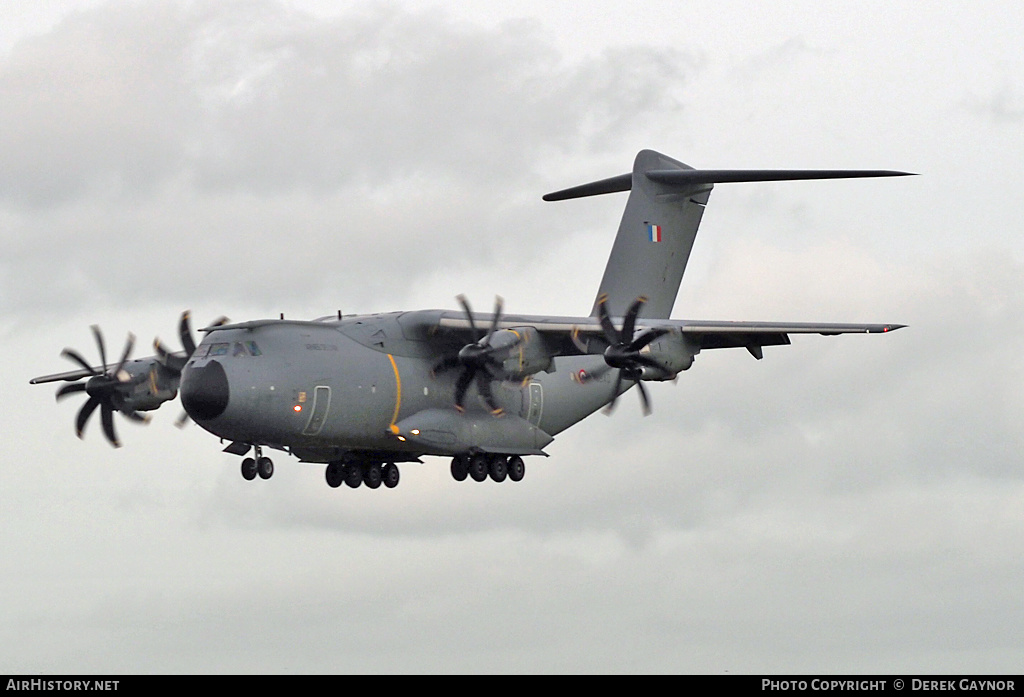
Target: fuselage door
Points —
{"points": [[321, 405], [536, 397]]}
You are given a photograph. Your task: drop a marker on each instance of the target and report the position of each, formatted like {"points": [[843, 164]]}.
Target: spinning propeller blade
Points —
{"points": [[480, 361], [106, 388], [175, 360], [623, 352]]}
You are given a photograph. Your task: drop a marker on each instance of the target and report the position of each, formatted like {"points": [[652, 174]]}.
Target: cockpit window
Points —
{"points": [[246, 348], [235, 349]]}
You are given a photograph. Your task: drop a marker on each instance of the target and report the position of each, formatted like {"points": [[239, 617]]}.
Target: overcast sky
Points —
{"points": [[849, 504]]}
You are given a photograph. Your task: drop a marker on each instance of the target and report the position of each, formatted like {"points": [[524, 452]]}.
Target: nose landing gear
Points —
{"points": [[259, 465]]}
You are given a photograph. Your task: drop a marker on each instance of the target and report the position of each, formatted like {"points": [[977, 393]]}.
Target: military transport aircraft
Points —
{"points": [[361, 393]]}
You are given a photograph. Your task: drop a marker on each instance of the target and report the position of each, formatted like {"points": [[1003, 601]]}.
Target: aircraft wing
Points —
{"points": [[723, 334], [705, 334], [73, 375], [753, 335], [583, 335], [70, 376]]}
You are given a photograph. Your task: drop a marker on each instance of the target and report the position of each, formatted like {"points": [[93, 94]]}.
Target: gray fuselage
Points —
{"points": [[323, 389]]}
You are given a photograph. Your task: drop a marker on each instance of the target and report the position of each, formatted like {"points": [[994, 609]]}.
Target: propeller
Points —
{"points": [[623, 352], [174, 361], [104, 387], [480, 360]]}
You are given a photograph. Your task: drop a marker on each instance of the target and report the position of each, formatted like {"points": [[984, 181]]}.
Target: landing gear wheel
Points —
{"points": [[372, 478], [265, 467], [354, 476], [391, 475], [460, 468], [498, 468], [335, 474], [516, 468], [249, 469], [478, 467]]}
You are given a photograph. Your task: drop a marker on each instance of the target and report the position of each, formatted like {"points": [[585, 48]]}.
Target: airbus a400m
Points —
{"points": [[365, 393]]}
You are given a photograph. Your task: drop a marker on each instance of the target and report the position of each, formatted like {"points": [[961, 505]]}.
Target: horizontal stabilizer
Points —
{"points": [[623, 182], [689, 178]]}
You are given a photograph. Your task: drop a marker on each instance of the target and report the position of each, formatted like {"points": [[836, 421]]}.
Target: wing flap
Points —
{"points": [[745, 340]]}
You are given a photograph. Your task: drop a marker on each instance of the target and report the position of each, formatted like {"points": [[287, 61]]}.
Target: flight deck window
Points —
{"points": [[246, 348], [234, 349]]}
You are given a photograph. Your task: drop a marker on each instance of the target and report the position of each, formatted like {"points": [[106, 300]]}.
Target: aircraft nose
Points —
{"points": [[204, 391]]}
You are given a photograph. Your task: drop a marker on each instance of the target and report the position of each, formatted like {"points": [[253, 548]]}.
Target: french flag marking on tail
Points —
{"points": [[653, 232]]}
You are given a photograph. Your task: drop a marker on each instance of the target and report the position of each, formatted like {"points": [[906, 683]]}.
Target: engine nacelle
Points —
{"points": [[530, 356], [150, 384], [673, 351]]}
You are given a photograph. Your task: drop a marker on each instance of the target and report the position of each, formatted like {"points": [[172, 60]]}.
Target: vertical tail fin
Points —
{"points": [[655, 236], [654, 240], [665, 206]]}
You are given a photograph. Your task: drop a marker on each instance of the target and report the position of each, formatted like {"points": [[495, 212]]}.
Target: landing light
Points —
{"points": [[415, 431]]}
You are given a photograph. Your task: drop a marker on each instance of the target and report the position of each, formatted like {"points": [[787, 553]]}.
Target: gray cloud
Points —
{"points": [[156, 163], [1004, 106], [254, 97]]}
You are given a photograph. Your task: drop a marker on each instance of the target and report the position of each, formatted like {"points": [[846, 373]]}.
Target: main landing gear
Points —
{"points": [[259, 465], [482, 465], [355, 474]]}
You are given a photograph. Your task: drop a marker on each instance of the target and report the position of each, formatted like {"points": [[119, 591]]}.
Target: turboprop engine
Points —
{"points": [[651, 354], [528, 355], [127, 386], [673, 353]]}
